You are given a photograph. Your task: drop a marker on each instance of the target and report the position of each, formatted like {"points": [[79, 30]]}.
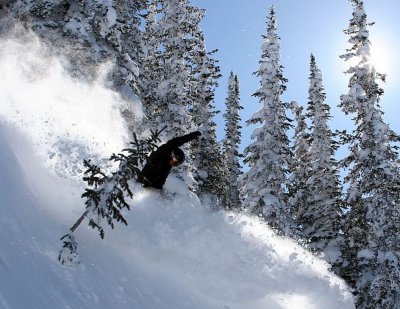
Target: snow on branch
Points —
{"points": [[105, 194]]}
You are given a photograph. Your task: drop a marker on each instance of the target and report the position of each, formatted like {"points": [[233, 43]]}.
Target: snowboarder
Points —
{"points": [[162, 160]]}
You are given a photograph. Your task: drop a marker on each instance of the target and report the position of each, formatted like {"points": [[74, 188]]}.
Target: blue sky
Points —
{"points": [[236, 27]]}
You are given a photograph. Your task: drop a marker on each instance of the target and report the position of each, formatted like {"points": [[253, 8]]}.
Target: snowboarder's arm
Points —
{"points": [[180, 140]]}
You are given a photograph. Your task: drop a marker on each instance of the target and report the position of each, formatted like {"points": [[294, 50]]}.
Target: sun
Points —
{"points": [[380, 57]]}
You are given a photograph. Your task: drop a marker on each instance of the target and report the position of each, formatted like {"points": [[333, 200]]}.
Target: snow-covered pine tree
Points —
{"points": [[169, 29], [152, 73], [125, 38], [105, 196], [298, 178], [231, 144], [371, 247], [180, 79], [269, 156], [208, 161], [320, 217]]}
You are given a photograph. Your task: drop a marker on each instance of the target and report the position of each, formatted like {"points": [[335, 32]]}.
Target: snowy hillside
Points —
{"points": [[174, 253]]}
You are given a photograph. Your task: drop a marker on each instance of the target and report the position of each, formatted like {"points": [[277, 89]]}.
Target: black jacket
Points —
{"points": [[157, 168]]}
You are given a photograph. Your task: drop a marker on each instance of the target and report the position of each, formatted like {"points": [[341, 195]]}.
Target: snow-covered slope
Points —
{"points": [[174, 253]]}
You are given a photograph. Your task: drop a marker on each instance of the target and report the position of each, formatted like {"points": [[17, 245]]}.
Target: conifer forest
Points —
{"points": [[344, 210]]}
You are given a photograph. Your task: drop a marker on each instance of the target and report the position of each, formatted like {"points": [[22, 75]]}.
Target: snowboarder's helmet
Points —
{"points": [[178, 155]]}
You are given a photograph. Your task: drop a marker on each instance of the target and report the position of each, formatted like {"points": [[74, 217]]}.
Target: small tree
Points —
{"points": [[105, 195]]}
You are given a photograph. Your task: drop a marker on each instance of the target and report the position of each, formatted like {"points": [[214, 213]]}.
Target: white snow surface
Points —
{"points": [[174, 253]]}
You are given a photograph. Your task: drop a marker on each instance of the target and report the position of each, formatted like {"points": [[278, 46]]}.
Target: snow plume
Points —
{"points": [[65, 117]]}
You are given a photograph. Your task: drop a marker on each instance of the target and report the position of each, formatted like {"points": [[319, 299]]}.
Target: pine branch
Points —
{"points": [[105, 194], [68, 254]]}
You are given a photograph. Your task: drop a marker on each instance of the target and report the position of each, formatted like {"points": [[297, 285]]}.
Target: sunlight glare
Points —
{"points": [[380, 57]]}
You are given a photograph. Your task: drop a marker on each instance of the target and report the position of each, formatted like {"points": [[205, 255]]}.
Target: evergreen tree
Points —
{"points": [[152, 73], [320, 218], [371, 249], [169, 29], [105, 197], [231, 143], [298, 178], [208, 161], [179, 85], [269, 156]]}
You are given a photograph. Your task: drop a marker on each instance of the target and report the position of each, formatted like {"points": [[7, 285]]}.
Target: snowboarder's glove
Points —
{"points": [[195, 134]]}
